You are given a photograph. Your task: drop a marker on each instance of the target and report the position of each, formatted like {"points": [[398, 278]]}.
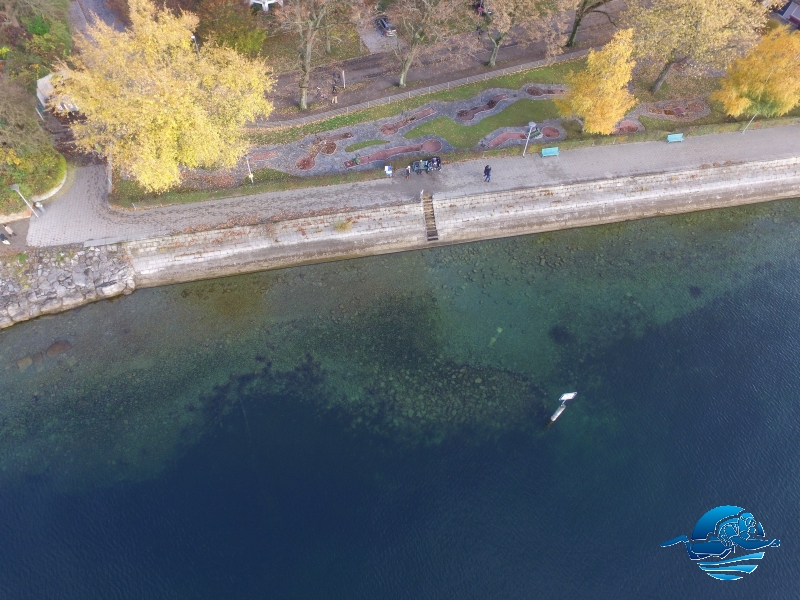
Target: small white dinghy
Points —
{"points": [[563, 405]]}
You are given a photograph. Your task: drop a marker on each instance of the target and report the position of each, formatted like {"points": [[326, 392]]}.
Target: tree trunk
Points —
{"points": [[405, 65], [664, 72], [496, 43], [305, 69], [577, 23], [304, 96], [328, 39]]}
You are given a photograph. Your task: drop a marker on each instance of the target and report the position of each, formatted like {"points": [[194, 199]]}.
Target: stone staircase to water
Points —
{"points": [[430, 218]]}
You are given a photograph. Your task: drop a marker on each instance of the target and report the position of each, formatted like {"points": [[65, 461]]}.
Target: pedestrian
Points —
{"points": [[487, 173], [8, 229], [408, 171], [334, 94], [4, 239]]}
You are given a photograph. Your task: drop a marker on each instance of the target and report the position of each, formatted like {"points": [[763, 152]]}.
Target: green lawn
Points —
{"points": [[364, 144], [466, 136]]}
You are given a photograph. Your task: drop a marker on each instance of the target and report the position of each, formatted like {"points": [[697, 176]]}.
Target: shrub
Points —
{"points": [[37, 25], [51, 46]]}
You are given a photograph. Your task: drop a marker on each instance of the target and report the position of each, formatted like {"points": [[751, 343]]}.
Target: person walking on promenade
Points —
{"points": [[335, 94], [487, 173], [408, 171]]}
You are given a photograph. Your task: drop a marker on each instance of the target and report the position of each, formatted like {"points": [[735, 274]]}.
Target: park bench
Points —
{"points": [[674, 137], [550, 151]]}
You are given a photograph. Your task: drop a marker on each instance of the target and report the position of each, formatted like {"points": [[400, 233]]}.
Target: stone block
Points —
{"points": [[51, 305], [111, 288], [16, 312]]}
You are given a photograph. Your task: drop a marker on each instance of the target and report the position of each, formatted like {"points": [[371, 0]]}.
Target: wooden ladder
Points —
{"points": [[430, 218]]}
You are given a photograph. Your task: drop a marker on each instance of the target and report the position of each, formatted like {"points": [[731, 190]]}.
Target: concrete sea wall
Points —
{"points": [[53, 280], [217, 253], [459, 219], [524, 211]]}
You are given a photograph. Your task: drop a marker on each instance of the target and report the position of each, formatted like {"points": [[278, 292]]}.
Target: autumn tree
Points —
{"points": [[306, 20], [706, 32], [528, 19], [766, 81], [231, 23], [423, 27], [583, 8], [599, 94], [153, 105]]}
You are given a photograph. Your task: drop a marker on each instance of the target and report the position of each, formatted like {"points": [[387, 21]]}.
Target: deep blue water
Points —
{"points": [[279, 498]]}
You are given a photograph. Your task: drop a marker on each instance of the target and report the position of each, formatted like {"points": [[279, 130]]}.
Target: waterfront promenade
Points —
{"points": [[82, 215], [582, 187]]}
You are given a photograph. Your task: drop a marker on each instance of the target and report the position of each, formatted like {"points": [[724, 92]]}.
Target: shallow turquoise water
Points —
{"points": [[377, 427]]}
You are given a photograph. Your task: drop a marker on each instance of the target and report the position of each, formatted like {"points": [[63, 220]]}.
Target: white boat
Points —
{"points": [[563, 405]]}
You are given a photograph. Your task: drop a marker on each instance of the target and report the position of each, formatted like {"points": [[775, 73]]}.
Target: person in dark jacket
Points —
{"points": [[487, 173]]}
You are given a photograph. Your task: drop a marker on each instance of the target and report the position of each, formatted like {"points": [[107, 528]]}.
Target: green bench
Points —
{"points": [[674, 137], [550, 151]]}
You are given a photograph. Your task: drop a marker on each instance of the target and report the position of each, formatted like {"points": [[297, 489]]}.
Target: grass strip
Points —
{"points": [[364, 144], [518, 114]]}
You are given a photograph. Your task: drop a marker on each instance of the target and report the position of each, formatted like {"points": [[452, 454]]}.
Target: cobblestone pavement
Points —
{"points": [[82, 214]]}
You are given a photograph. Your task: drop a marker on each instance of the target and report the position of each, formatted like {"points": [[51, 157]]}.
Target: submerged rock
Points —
{"points": [[57, 348], [23, 363]]}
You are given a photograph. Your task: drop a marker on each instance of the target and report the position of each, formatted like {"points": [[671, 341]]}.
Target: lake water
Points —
{"points": [[376, 428]]}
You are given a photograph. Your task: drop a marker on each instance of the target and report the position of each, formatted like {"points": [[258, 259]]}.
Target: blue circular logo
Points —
{"points": [[718, 534]]}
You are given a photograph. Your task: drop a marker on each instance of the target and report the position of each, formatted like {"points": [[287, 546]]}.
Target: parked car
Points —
{"points": [[385, 27]]}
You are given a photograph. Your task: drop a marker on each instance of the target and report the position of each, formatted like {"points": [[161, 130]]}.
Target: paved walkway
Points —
{"points": [[82, 214]]}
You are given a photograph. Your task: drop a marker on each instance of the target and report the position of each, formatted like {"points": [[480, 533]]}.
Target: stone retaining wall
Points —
{"points": [[51, 280], [217, 253]]}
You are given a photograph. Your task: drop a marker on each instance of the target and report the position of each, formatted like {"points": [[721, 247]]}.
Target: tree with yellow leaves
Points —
{"points": [[706, 32], [766, 81], [599, 94], [155, 103]]}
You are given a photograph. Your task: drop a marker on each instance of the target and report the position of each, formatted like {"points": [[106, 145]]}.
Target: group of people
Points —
{"points": [[334, 91]]}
